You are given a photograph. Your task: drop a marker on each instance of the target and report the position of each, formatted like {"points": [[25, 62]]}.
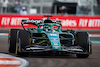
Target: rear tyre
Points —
{"points": [[82, 39], [23, 40], [12, 40]]}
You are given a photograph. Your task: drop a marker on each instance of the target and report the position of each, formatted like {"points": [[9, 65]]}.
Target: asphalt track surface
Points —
{"points": [[58, 61]]}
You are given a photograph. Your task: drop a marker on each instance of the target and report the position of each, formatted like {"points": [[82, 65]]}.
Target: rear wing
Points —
{"points": [[37, 22], [34, 22]]}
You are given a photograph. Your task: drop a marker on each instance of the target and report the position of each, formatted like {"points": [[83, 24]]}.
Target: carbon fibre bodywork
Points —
{"points": [[49, 38]]}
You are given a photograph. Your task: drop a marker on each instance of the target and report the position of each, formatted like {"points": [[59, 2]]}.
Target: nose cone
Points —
{"points": [[54, 39]]}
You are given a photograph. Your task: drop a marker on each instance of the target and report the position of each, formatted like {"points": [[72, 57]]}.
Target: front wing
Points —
{"points": [[64, 49]]}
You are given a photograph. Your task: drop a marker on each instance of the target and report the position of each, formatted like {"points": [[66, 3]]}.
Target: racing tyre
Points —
{"points": [[12, 40], [23, 40], [83, 41], [18, 52]]}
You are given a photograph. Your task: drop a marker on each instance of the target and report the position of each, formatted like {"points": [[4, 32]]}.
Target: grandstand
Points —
{"points": [[77, 7]]}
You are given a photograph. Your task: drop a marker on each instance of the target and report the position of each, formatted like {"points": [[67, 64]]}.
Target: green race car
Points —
{"points": [[48, 40]]}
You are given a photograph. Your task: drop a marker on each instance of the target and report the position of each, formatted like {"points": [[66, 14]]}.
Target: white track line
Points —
{"points": [[11, 60]]}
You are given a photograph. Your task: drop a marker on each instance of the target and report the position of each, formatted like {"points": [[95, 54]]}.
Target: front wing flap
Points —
{"points": [[40, 49]]}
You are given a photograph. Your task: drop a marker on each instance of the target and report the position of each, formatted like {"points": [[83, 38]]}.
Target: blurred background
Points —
{"points": [[74, 14], [80, 15], [57, 7]]}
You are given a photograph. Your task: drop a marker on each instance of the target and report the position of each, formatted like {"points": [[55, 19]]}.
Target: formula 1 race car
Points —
{"points": [[46, 39]]}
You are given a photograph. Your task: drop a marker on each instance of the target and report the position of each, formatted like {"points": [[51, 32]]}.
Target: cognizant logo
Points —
{"points": [[53, 34]]}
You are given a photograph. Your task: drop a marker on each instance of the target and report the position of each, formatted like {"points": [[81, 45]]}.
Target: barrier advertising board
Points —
{"points": [[72, 22]]}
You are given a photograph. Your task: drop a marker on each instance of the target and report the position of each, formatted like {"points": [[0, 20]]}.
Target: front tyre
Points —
{"points": [[18, 49], [23, 40], [12, 40], [82, 39]]}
